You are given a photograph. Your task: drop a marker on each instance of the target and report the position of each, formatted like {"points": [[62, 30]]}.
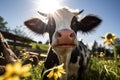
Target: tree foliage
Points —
{"points": [[18, 30], [3, 23], [94, 47], [97, 49]]}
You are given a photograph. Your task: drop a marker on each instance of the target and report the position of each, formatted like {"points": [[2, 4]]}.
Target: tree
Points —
{"points": [[3, 24], [18, 30], [94, 47], [116, 43]]}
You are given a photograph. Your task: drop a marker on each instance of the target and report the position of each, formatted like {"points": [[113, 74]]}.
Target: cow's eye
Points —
{"points": [[74, 23]]}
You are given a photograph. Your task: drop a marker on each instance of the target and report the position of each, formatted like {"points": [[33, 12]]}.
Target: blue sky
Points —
{"points": [[15, 12]]}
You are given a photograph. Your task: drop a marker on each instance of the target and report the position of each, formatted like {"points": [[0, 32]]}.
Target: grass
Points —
{"points": [[99, 69], [40, 46], [102, 69], [35, 72]]}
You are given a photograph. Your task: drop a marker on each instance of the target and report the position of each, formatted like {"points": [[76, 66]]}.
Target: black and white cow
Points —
{"points": [[62, 27]]}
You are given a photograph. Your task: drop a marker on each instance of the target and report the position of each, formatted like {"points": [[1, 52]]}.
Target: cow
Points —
{"points": [[62, 27]]}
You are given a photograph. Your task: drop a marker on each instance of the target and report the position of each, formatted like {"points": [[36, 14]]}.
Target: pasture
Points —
{"points": [[99, 68]]}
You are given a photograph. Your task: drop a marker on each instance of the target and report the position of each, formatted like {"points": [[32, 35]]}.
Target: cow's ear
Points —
{"points": [[88, 23], [36, 25]]}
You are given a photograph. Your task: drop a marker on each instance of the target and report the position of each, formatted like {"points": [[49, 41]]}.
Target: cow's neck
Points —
{"points": [[65, 58]]}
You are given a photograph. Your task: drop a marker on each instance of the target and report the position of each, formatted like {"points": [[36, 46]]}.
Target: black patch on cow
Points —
{"points": [[51, 60], [81, 59], [74, 24], [88, 23], [51, 28], [74, 55]]}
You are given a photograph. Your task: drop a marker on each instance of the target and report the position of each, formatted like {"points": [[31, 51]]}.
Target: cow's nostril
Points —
{"points": [[65, 34], [72, 35], [58, 35]]}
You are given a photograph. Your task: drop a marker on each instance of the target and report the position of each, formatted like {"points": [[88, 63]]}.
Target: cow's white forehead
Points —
{"points": [[63, 19]]}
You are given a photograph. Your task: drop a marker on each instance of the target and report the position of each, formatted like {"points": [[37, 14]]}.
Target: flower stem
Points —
{"points": [[115, 53]]}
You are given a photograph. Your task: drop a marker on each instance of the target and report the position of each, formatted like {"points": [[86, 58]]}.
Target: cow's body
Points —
{"points": [[76, 63], [62, 27]]}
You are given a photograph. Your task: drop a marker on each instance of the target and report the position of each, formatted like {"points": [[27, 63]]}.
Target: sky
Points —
{"points": [[15, 12]]}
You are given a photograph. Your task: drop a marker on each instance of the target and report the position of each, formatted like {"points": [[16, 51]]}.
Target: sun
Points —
{"points": [[47, 6]]}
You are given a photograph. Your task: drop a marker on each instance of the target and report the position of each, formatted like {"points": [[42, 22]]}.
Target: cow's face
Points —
{"points": [[63, 36], [62, 27]]}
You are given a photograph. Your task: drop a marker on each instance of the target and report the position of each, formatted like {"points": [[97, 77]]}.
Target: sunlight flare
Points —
{"points": [[47, 6]]}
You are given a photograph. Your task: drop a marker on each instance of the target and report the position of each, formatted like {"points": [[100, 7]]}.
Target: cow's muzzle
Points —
{"points": [[65, 38]]}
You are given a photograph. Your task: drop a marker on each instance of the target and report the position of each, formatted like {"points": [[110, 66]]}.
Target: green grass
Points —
{"points": [[99, 69], [35, 72], [40, 46]]}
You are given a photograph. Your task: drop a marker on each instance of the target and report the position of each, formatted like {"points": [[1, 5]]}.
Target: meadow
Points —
{"points": [[100, 67]]}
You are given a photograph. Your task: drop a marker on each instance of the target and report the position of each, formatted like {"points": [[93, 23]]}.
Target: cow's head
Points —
{"points": [[62, 27]]}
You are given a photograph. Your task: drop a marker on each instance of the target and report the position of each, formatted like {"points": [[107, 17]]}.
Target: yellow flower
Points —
{"points": [[13, 78], [2, 77], [102, 54], [21, 51], [109, 61], [40, 62], [51, 74], [31, 59], [25, 55], [9, 69], [118, 56], [56, 72], [109, 37], [15, 71], [1, 55], [25, 70]]}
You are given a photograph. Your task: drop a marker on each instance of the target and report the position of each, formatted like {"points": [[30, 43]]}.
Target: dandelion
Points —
{"points": [[15, 71], [56, 72]]}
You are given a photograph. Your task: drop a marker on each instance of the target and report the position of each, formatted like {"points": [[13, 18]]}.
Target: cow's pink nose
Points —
{"points": [[65, 35]]}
